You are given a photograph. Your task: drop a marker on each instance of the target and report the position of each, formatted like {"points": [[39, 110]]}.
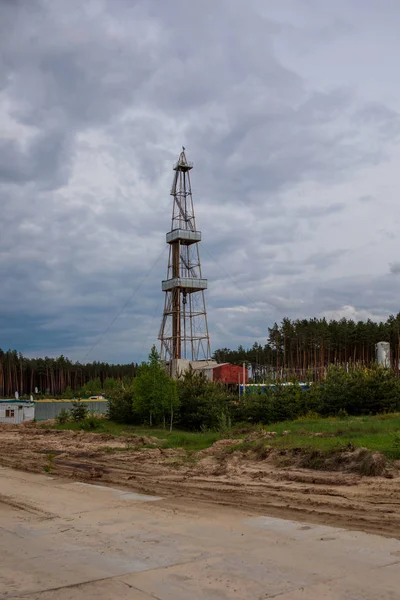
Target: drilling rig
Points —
{"points": [[184, 330]]}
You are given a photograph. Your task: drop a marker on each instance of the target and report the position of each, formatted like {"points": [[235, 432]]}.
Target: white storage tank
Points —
{"points": [[382, 350]]}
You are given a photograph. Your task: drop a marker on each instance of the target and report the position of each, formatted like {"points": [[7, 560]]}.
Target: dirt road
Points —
{"points": [[370, 504], [68, 540]]}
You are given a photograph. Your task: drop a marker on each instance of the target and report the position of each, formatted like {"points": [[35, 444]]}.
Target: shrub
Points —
{"points": [[120, 407], [342, 413], [360, 392], [90, 423], [50, 463], [78, 411], [396, 440], [204, 405], [93, 387], [63, 417], [309, 416]]}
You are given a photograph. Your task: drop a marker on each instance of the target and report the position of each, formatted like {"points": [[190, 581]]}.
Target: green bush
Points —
{"points": [[78, 411], [120, 407], [360, 392], [341, 393], [90, 423], [63, 417], [92, 388], [204, 405], [68, 394]]}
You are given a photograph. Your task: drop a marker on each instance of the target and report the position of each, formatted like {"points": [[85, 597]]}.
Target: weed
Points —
{"points": [[342, 413], [50, 463], [396, 440], [224, 424], [309, 416], [260, 450]]}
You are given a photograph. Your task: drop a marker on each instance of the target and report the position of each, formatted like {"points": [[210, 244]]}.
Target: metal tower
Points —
{"points": [[184, 329]]}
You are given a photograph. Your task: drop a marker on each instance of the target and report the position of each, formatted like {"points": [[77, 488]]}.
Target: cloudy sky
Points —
{"points": [[291, 113]]}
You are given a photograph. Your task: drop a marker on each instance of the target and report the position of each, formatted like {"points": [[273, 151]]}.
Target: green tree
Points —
{"points": [[121, 405], [203, 404], [170, 401], [79, 411], [93, 387], [155, 394]]}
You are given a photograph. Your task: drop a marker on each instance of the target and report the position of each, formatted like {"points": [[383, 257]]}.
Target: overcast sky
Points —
{"points": [[291, 113]]}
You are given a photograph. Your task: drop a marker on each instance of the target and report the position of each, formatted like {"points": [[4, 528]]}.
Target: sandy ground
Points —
{"points": [[69, 540], [370, 504]]}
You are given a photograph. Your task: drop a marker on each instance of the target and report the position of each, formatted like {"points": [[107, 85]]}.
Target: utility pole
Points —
{"points": [[184, 328]]}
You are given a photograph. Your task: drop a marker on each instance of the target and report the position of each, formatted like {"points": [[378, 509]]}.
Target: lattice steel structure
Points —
{"points": [[184, 329]]}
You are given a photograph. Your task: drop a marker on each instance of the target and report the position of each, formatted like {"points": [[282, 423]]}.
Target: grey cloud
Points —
{"points": [[322, 260], [284, 304], [395, 268], [385, 120], [367, 198], [316, 212], [46, 161]]}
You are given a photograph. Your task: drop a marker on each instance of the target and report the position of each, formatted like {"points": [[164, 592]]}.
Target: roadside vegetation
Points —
{"points": [[377, 433], [351, 409], [189, 440]]}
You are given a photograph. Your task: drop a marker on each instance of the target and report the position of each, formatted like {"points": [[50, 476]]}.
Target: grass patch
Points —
{"points": [[103, 426], [377, 433], [190, 441]]}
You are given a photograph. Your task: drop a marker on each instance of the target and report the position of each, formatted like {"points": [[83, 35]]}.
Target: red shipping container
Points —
{"points": [[227, 373]]}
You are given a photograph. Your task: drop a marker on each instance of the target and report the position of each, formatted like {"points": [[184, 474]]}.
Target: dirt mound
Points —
{"points": [[9, 427], [144, 440], [359, 460], [255, 447], [260, 435], [46, 422], [218, 447]]}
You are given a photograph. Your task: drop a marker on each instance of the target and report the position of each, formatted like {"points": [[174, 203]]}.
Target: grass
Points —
{"points": [[381, 433], [190, 441]]}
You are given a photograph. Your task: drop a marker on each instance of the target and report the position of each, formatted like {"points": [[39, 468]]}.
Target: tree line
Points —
{"points": [[305, 348], [54, 376]]}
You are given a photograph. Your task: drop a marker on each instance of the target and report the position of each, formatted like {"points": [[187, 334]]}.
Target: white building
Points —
{"points": [[16, 411], [178, 366]]}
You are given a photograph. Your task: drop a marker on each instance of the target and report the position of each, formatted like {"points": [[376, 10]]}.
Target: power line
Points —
{"points": [[125, 305], [156, 311]]}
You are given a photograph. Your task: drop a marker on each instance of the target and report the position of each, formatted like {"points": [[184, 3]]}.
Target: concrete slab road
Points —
{"points": [[65, 540]]}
